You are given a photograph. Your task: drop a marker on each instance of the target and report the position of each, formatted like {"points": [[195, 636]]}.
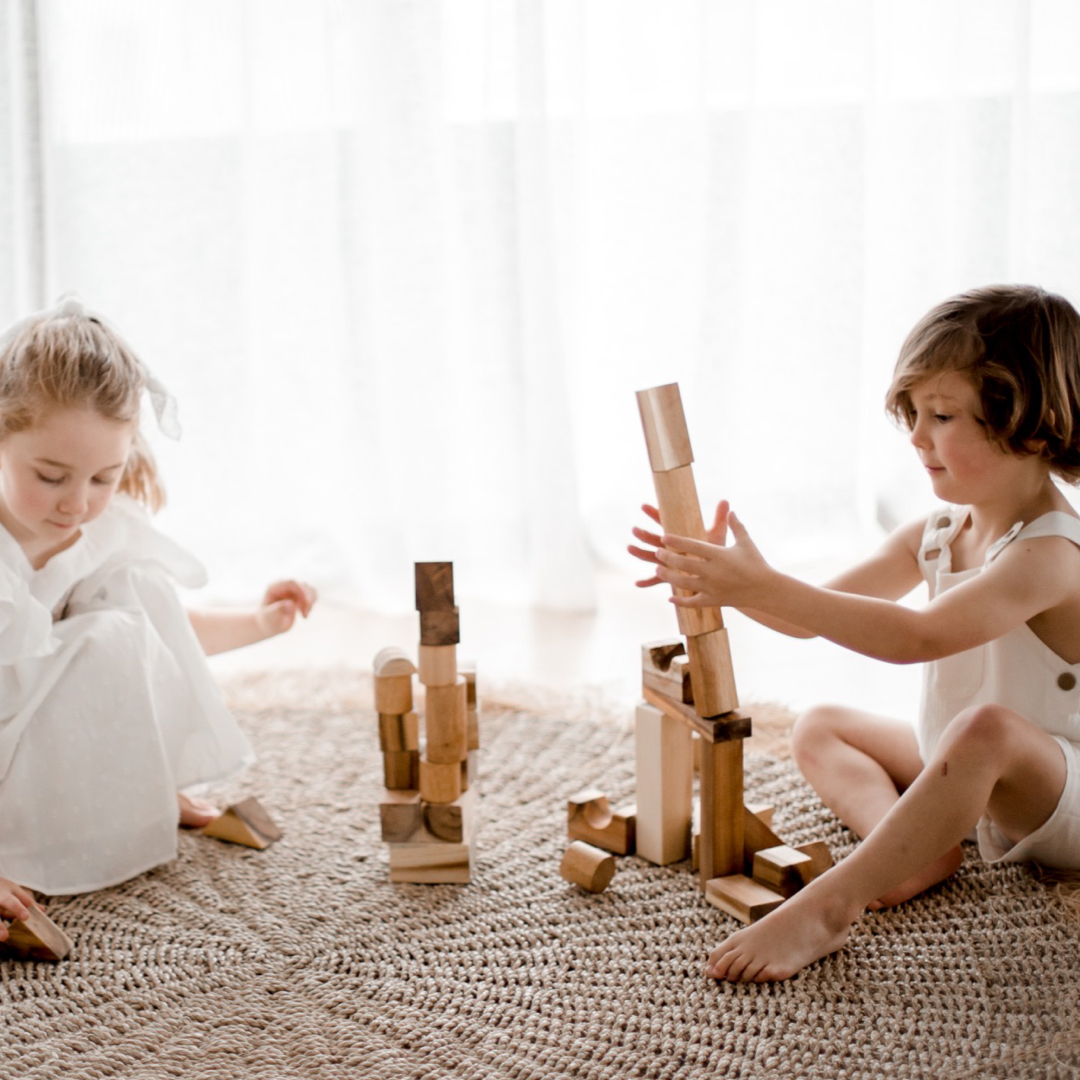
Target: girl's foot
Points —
{"points": [[937, 871], [800, 931], [195, 813]]}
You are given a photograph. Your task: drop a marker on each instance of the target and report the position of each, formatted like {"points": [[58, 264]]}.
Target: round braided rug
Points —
{"points": [[304, 961]]}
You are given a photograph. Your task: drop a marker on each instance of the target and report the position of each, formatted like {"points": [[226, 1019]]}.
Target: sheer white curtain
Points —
{"points": [[404, 263]]}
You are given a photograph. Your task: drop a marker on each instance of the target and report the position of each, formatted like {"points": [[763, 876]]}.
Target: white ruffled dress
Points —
{"points": [[107, 706]]}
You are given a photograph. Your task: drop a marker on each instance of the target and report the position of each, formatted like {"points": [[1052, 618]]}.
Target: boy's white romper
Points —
{"points": [[107, 706], [1018, 671]]}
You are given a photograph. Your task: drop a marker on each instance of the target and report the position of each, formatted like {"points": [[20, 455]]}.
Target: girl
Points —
{"points": [[107, 707], [989, 385]]}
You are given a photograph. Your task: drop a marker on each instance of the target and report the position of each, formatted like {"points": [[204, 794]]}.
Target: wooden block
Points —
{"points": [[657, 656], [467, 670], [432, 864], [681, 687], [782, 869], [589, 817], [438, 665], [401, 814], [451, 822], [472, 728], [246, 823], [665, 781], [434, 586], [723, 728], [440, 626], [820, 858], [762, 811], [664, 423], [757, 836], [393, 661], [440, 782], [399, 732], [401, 769], [742, 897], [393, 694], [711, 673], [587, 866], [36, 937], [722, 826], [445, 723]]}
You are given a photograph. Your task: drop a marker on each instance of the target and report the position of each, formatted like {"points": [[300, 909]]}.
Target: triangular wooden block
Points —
{"points": [[244, 823], [36, 938]]}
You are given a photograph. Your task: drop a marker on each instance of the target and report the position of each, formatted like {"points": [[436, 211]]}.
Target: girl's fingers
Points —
{"points": [[646, 537], [652, 512], [641, 553], [694, 601], [647, 582], [685, 546]]}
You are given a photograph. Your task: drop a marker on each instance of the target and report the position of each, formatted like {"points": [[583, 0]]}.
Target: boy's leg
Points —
{"points": [[989, 760]]}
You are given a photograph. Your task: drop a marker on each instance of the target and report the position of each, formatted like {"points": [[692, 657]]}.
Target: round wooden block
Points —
{"points": [[393, 694], [393, 661], [445, 722], [438, 665], [440, 783], [588, 866]]}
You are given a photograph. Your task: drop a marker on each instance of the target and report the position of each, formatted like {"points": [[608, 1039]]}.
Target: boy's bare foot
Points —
{"points": [[937, 871], [195, 813], [800, 931]]}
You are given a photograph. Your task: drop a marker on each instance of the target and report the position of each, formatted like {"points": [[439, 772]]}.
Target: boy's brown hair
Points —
{"points": [[1020, 346], [67, 358]]}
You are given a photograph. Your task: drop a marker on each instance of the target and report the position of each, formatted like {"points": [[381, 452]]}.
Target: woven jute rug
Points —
{"points": [[304, 961]]}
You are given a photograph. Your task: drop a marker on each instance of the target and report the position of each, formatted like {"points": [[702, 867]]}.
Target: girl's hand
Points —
{"points": [[15, 903], [716, 534], [281, 604]]}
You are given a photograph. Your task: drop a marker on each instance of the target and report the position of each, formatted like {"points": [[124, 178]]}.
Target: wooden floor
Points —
{"points": [[600, 651]]}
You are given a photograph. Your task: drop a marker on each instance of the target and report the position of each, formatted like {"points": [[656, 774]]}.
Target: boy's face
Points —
{"points": [[58, 475]]}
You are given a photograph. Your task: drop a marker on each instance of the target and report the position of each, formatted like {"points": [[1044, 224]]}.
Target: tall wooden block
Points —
{"points": [[664, 785], [401, 769], [393, 694], [438, 665], [588, 866], [439, 782], [445, 722], [434, 585], [393, 661], [711, 673], [664, 423], [440, 626], [399, 731], [742, 897], [722, 825]]}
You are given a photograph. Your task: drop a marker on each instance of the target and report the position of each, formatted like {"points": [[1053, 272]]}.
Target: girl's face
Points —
{"points": [[58, 475], [965, 463]]}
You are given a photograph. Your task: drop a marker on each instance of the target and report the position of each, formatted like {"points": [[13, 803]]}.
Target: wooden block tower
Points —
{"points": [[428, 809], [689, 690]]}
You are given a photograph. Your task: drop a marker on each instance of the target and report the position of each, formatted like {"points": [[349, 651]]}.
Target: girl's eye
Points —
{"points": [[50, 479], [942, 418]]}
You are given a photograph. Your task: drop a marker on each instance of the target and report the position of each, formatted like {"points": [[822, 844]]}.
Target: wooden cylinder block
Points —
{"points": [[440, 783], [588, 866], [438, 665], [393, 694], [445, 723], [711, 673], [399, 732]]}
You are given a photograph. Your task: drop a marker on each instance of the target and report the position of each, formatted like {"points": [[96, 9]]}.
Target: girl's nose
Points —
{"points": [[75, 501]]}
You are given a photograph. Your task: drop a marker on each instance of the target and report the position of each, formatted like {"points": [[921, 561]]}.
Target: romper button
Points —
{"points": [[943, 523], [1067, 681]]}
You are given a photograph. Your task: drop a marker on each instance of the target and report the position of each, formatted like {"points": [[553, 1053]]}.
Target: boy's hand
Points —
{"points": [[15, 903], [281, 604]]}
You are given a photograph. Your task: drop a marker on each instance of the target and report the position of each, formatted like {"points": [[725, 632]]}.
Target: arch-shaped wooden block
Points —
{"points": [[393, 661]]}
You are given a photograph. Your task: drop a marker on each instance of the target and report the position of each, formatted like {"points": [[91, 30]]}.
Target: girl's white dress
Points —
{"points": [[107, 706]]}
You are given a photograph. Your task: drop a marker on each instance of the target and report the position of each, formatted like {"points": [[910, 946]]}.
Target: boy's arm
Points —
{"points": [[1024, 581], [222, 629]]}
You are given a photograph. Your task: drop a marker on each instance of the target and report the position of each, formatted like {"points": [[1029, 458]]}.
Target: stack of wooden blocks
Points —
{"points": [[690, 718], [428, 810]]}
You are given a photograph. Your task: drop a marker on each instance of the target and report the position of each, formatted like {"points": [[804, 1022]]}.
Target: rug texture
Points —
{"points": [[304, 961]]}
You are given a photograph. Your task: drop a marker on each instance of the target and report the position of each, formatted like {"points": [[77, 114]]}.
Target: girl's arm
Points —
{"points": [[890, 573], [1027, 579], [227, 628]]}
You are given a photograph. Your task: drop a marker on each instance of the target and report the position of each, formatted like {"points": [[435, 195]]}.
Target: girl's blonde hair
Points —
{"points": [[68, 358], [1020, 346]]}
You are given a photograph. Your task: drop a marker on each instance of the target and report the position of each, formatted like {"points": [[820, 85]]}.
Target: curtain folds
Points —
{"points": [[404, 262]]}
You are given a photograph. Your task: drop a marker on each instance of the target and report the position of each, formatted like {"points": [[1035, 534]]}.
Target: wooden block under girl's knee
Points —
{"points": [[36, 937], [245, 823]]}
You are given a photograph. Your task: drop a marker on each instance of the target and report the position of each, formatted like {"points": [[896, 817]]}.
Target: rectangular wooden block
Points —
{"points": [[438, 665], [440, 626], [401, 814], [782, 869], [711, 673], [399, 732], [589, 817], [665, 782], [742, 897], [393, 694], [723, 728], [401, 769], [467, 670], [820, 857], [764, 814], [434, 585], [36, 937], [445, 723], [664, 424], [722, 810], [432, 864]]}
